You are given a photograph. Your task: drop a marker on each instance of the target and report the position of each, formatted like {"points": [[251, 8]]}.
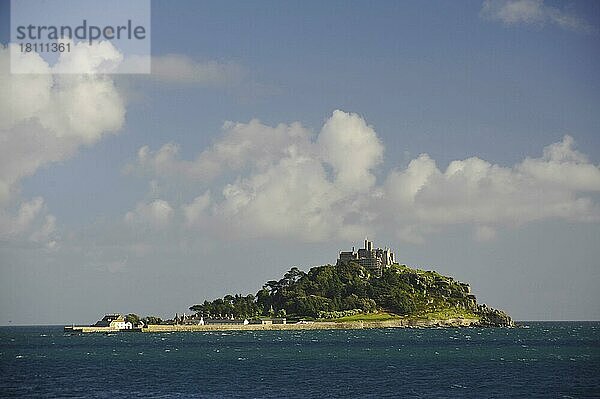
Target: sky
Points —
{"points": [[464, 135]]}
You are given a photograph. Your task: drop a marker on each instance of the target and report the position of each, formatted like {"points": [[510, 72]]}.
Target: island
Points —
{"points": [[365, 288]]}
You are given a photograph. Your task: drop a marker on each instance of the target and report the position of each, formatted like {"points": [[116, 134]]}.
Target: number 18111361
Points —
{"points": [[45, 47]]}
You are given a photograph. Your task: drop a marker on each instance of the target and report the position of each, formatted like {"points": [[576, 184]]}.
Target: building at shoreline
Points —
{"points": [[372, 259], [200, 320], [114, 321]]}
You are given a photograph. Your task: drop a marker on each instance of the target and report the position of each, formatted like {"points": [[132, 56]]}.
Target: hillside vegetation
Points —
{"points": [[350, 292]]}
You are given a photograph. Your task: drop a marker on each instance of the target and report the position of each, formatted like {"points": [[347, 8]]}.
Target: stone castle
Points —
{"points": [[372, 259]]}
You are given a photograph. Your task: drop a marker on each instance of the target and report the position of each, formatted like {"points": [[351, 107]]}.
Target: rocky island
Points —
{"points": [[366, 288]]}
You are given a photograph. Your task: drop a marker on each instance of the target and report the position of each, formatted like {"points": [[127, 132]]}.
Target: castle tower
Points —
{"points": [[373, 259]]}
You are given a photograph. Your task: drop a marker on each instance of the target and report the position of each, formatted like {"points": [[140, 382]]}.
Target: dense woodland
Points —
{"points": [[333, 291]]}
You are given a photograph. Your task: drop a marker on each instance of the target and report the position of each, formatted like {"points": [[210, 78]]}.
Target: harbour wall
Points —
{"points": [[321, 325]]}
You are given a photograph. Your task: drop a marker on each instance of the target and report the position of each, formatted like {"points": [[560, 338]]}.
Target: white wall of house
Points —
{"points": [[122, 325]]}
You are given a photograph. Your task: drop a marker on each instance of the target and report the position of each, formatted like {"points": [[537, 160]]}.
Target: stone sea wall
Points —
{"points": [[323, 325]]}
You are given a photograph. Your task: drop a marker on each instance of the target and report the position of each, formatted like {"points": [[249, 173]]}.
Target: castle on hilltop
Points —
{"points": [[372, 259]]}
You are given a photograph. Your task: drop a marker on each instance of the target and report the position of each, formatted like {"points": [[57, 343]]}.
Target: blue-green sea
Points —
{"points": [[537, 360]]}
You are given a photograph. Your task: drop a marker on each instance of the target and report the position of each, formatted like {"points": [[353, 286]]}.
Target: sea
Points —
{"points": [[534, 360]]}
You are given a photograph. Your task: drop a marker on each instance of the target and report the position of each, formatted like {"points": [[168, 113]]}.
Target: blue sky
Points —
{"points": [[454, 80]]}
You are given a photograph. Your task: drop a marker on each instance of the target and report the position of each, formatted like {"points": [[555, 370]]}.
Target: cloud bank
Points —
{"points": [[286, 181]]}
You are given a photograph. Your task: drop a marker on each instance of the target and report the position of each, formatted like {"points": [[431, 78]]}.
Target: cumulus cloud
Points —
{"points": [[241, 145], [286, 181], [195, 212], [282, 184], [45, 118], [534, 12], [100, 58], [474, 191], [31, 221], [563, 166], [155, 214], [352, 149], [292, 197]]}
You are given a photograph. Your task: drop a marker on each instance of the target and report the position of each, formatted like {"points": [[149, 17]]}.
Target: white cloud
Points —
{"points": [[284, 181], [283, 186], [290, 198], [346, 143], [352, 149], [473, 191], [155, 214], [534, 12], [45, 118], [404, 185], [564, 167], [28, 212], [174, 68], [195, 212], [100, 58], [31, 222], [242, 145]]}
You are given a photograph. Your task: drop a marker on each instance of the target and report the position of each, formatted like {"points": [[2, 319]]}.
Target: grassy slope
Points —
{"points": [[383, 316]]}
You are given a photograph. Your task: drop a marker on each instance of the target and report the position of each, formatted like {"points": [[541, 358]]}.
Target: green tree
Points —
{"points": [[340, 288], [152, 320], [133, 319]]}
